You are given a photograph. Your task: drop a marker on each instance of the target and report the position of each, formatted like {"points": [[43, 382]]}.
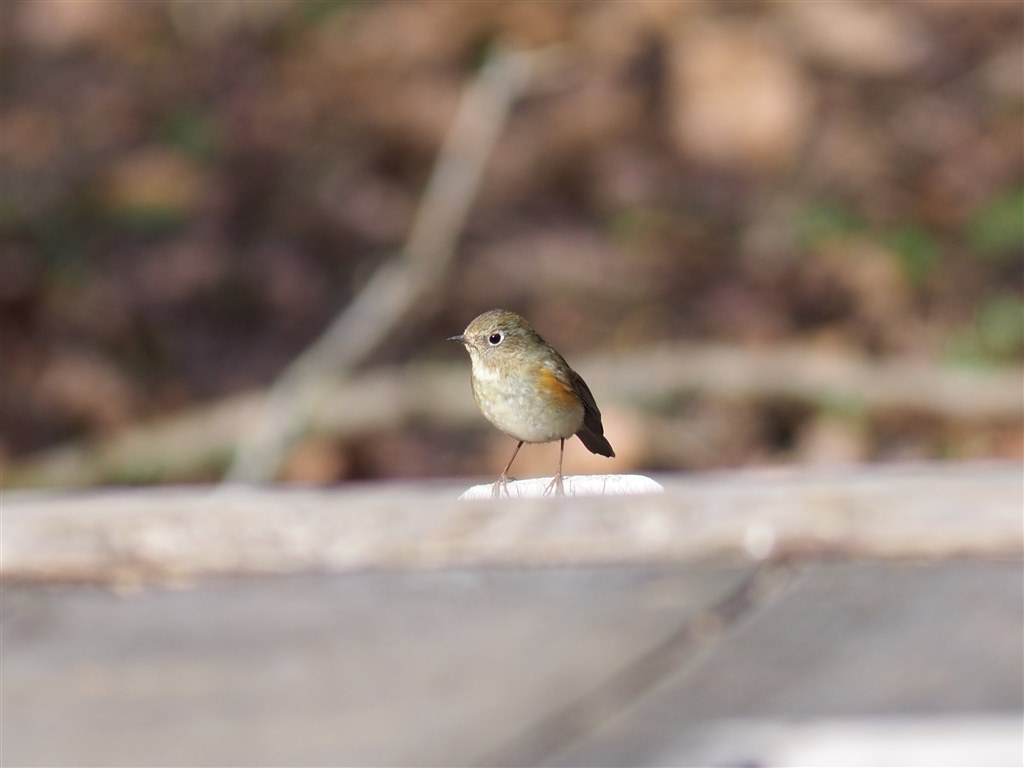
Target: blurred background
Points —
{"points": [[192, 192]]}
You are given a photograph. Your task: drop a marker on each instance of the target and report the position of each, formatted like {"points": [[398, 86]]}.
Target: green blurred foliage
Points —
{"points": [[995, 335], [824, 221], [918, 252], [191, 131], [996, 230]]}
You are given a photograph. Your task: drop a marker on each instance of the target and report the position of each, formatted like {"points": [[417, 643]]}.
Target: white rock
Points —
{"points": [[581, 485]]}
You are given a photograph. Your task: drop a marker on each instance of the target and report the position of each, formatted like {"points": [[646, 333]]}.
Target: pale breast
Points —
{"points": [[522, 409]]}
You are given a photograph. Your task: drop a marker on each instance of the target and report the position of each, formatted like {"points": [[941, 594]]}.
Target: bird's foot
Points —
{"points": [[555, 485], [501, 484]]}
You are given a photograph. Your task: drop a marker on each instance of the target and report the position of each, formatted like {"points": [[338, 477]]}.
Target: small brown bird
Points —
{"points": [[528, 391]]}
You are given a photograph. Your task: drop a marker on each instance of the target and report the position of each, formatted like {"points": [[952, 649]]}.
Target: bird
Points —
{"points": [[524, 387]]}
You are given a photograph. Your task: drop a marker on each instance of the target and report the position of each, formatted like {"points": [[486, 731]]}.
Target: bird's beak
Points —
{"points": [[460, 338]]}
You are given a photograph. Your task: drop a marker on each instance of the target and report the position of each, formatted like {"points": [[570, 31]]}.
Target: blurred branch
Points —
{"points": [[198, 441], [394, 290]]}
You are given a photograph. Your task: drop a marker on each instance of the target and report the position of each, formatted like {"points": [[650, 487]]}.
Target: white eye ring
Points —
{"points": [[496, 338]]}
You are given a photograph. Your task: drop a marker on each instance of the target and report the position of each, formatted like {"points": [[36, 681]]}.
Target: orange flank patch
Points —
{"points": [[556, 388]]}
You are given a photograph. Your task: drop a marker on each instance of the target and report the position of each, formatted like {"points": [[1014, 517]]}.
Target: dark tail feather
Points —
{"points": [[595, 443]]}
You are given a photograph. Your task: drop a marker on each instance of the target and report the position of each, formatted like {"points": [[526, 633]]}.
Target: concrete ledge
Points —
{"points": [[131, 536]]}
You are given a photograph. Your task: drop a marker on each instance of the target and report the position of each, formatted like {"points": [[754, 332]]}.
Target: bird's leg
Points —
{"points": [[556, 481], [502, 483]]}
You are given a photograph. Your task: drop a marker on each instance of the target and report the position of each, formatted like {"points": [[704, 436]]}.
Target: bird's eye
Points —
{"points": [[496, 338]]}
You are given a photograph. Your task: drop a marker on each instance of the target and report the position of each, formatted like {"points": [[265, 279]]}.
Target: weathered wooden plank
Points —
{"points": [[382, 647], [369, 668], [845, 641], [136, 536]]}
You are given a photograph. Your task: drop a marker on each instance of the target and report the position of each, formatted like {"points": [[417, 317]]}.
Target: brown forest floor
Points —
{"points": [[191, 191]]}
